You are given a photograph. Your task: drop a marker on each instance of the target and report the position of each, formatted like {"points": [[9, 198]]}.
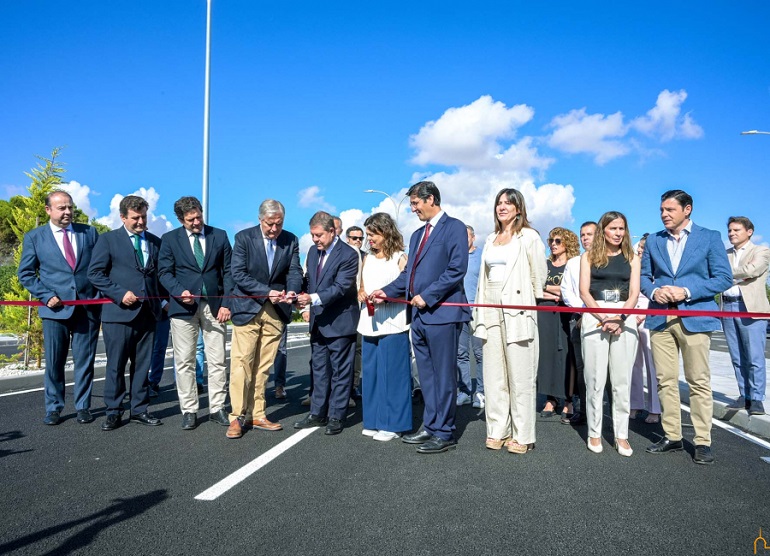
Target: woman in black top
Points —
{"points": [[609, 277]]}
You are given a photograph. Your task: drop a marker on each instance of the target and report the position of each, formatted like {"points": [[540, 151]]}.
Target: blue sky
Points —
{"points": [[585, 108]]}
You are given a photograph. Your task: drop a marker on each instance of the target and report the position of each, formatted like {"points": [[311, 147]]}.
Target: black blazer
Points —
{"points": [[179, 271], [252, 278], [115, 270], [336, 287]]}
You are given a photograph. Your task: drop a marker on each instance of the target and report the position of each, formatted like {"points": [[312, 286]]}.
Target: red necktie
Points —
{"points": [[417, 256], [69, 252], [320, 265]]}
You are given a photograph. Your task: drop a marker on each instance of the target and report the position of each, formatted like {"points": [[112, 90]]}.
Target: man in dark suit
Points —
{"points": [[438, 261], [683, 267], [194, 267], [54, 267], [331, 295], [267, 276], [124, 268]]}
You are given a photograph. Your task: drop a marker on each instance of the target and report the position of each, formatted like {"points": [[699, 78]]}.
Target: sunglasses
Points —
{"points": [[554, 241], [356, 238]]}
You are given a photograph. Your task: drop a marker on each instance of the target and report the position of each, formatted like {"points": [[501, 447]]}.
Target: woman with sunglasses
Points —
{"points": [[609, 277], [512, 273], [556, 358]]}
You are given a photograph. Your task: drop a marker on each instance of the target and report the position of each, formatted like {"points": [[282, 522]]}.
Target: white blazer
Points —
{"points": [[525, 275]]}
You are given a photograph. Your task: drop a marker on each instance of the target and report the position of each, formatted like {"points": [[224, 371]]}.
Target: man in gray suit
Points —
{"points": [[54, 268]]}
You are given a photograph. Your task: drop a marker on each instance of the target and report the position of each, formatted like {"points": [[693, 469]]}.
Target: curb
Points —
{"points": [[758, 425]]}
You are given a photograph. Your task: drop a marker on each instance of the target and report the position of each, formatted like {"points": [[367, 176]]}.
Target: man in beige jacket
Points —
{"points": [[746, 338]]}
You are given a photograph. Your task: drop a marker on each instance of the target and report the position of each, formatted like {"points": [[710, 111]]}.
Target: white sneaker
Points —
{"points": [[369, 432], [384, 436], [479, 400]]}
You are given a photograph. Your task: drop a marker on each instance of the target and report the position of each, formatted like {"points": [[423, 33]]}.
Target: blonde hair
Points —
{"points": [[569, 239]]}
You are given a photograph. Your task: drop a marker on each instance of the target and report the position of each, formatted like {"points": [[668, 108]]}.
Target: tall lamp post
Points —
{"points": [[755, 132], [207, 86], [396, 205]]}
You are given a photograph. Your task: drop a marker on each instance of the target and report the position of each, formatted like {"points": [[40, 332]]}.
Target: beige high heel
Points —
{"points": [[495, 444]]}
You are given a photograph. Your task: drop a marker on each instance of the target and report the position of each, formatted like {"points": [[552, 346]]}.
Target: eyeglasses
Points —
{"points": [[356, 238], [554, 241]]}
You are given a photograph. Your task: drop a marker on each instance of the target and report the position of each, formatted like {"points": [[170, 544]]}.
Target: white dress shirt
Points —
{"points": [[59, 237]]}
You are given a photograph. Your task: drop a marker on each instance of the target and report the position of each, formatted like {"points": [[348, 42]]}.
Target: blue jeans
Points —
{"points": [[468, 343], [199, 358], [746, 339], [159, 346]]}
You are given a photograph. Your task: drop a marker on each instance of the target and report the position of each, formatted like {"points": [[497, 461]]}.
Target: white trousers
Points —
{"points": [[184, 335], [603, 353]]}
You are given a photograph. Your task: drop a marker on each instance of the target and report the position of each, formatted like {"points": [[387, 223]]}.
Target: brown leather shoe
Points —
{"points": [[235, 430], [280, 393], [265, 425]]}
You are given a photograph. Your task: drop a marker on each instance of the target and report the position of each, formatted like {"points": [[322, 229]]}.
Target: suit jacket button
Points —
{"points": [[518, 291]]}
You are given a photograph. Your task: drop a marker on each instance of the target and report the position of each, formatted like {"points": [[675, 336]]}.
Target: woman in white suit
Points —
{"points": [[513, 272]]}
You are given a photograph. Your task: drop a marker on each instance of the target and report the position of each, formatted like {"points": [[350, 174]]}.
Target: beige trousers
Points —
{"points": [[252, 352], [184, 336], [666, 345], [510, 373], [605, 353]]}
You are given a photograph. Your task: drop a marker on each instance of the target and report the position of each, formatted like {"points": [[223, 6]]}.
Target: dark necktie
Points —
{"points": [[138, 249], [69, 252], [198, 252], [417, 256], [320, 265]]}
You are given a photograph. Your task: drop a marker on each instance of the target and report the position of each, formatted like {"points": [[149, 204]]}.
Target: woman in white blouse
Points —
{"points": [[513, 272], [386, 372]]}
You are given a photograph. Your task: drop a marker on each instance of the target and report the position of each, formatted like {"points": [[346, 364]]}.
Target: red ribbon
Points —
{"points": [[548, 308]]}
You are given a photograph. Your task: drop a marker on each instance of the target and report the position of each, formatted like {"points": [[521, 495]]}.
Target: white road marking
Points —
{"points": [[735, 430], [253, 466]]}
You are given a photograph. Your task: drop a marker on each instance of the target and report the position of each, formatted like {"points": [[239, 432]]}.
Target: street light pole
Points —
{"points": [[396, 205], [206, 99], [755, 132]]}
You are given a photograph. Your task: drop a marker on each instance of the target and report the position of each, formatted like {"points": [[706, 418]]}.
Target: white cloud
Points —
{"points": [[310, 198], [596, 134], [157, 224], [9, 191], [664, 120], [469, 136], [81, 196]]}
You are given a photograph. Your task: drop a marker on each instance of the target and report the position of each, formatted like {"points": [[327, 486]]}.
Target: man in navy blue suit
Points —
{"points": [[331, 295], [194, 267], [54, 267], [124, 268], [683, 267], [438, 261]]}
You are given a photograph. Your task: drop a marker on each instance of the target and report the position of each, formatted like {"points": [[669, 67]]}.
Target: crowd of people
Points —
{"points": [[372, 313]]}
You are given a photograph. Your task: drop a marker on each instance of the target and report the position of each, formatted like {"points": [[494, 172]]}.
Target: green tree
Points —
{"points": [[25, 215]]}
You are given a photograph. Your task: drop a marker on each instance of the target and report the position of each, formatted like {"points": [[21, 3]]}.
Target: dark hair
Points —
{"points": [[520, 220], [425, 189], [588, 223], [381, 223], [597, 255], [185, 205], [742, 220], [353, 229], [681, 197], [323, 219], [132, 202], [54, 193]]}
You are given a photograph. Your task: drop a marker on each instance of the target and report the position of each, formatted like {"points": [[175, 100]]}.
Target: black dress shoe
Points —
{"points": [[578, 420], [189, 421], [220, 416], [665, 445], [146, 418], [112, 422], [740, 403], [436, 445], [84, 416], [703, 455], [756, 407], [311, 421], [416, 438], [52, 418], [334, 427]]}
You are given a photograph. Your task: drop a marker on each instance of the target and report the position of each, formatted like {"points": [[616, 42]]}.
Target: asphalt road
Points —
{"points": [[73, 489]]}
